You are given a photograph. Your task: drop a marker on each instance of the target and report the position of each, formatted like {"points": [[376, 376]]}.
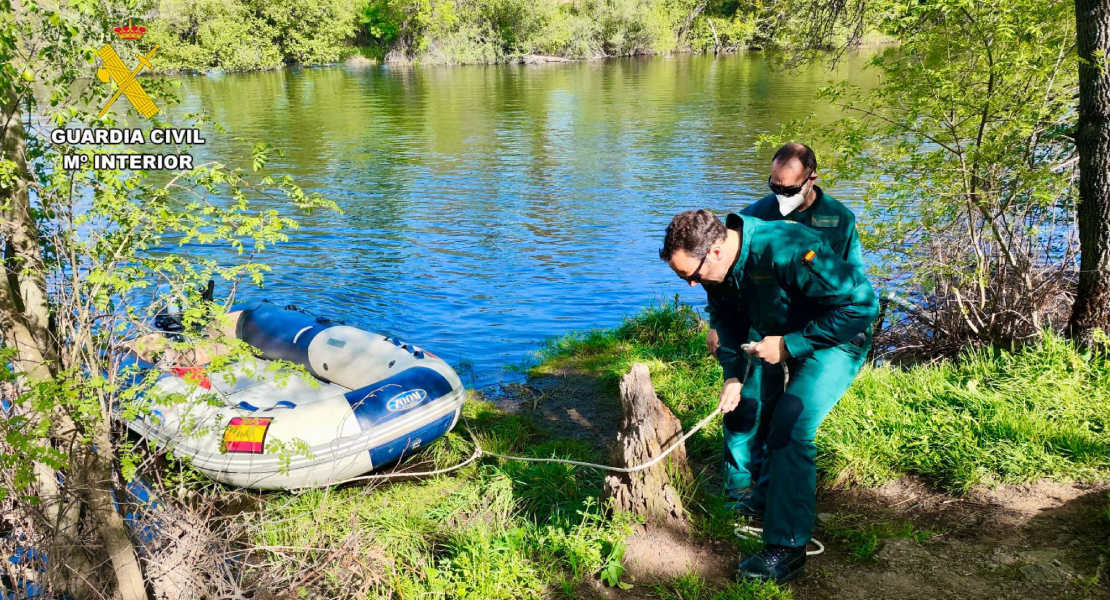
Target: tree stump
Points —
{"points": [[648, 428]]}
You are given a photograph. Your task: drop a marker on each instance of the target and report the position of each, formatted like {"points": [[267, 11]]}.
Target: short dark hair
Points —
{"points": [[694, 232], [794, 150]]}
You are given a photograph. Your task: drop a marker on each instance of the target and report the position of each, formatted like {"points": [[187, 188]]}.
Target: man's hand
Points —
{"points": [[712, 342], [730, 395], [771, 349]]}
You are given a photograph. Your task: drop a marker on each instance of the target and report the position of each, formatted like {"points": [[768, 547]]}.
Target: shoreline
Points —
{"points": [[358, 60]]}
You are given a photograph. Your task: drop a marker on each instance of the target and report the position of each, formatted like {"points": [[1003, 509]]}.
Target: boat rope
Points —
{"points": [[479, 451], [739, 531], [747, 531]]}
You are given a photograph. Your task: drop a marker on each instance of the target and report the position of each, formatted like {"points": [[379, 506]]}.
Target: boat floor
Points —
{"points": [[261, 385]]}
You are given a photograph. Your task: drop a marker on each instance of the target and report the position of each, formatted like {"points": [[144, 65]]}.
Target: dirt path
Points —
{"points": [[1042, 541], [1037, 541]]}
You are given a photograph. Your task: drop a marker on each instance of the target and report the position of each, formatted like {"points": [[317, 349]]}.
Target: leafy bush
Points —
{"points": [[399, 26], [732, 32], [967, 157], [198, 35], [309, 32], [450, 31]]}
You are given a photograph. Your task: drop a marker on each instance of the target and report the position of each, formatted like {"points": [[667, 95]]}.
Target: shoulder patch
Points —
{"points": [[826, 220], [807, 258]]}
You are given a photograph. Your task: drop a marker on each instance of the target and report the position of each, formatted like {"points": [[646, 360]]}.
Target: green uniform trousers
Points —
{"points": [[769, 436]]}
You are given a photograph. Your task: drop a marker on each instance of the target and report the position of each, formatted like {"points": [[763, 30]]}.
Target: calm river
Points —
{"points": [[488, 208]]}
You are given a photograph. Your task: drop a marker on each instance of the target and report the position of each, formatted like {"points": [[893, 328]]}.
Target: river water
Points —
{"points": [[487, 208]]}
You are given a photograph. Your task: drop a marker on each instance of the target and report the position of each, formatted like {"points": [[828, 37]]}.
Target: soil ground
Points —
{"points": [[1041, 541]]}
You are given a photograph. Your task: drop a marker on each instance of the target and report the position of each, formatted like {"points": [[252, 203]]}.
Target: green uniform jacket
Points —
{"points": [[787, 281], [826, 215]]}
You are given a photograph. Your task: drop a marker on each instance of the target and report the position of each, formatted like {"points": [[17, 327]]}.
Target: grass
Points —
{"points": [[863, 537], [989, 417], [692, 587], [493, 530], [519, 530]]}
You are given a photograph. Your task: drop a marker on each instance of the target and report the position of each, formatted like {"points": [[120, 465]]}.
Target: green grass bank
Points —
{"points": [[989, 417], [490, 531], [500, 529]]}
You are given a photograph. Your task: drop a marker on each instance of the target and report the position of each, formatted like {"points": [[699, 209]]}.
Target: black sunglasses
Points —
{"points": [[695, 277], [788, 191]]}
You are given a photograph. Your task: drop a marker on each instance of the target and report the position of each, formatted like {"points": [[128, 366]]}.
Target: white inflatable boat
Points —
{"points": [[376, 400]]}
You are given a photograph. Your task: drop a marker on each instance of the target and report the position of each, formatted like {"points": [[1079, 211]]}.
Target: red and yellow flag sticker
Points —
{"points": [[245, 434], [809, 256]]}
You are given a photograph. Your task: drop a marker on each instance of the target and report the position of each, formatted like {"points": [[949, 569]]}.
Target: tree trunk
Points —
{"points": [[689, 21], [62, 515], [109, 524], [1092, 300], [647, 429], [24, 310], [25, 327]]}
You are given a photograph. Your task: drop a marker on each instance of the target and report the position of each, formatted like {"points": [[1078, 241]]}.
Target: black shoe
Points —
{"points": [[774, 563]]}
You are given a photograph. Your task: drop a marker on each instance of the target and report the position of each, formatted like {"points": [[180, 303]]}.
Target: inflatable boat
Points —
{"points": [[374, 400]]}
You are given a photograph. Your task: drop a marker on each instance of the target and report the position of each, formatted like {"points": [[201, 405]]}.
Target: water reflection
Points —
{"points": [[487, 208]]}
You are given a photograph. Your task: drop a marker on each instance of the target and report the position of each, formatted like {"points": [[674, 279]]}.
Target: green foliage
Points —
{"points": [[483, 563], [446, 31], [104, 236], [238, 35], [401, 25], [96, 260], [738, 30], [546, 491], [198, 35], [382, 21], [309, 32], [613, 569], [967, 155], [991, 416]]}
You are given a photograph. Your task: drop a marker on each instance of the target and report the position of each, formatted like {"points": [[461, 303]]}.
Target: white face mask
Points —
{"points": [[787, 204]]}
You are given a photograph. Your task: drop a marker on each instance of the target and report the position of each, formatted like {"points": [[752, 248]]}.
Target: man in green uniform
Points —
{"points": [[804, 304], [795, 197]]}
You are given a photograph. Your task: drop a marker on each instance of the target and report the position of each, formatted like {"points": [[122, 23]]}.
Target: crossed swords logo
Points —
{"points": [[114, 69]]}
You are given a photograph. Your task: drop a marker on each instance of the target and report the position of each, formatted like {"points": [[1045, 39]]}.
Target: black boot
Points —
{"points": [[774, 563]]}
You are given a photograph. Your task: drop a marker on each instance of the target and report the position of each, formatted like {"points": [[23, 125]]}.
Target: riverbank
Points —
{"points": [[200, 36], [981, 478], [365, 57]]}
